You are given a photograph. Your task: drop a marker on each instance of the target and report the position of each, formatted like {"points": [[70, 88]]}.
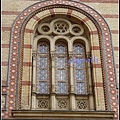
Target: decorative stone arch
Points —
{"points": [[40, 37], [84, 40], [26, 23], [56, 38]]}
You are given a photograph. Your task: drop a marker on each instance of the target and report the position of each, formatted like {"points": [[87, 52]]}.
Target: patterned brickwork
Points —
{"points": [[109, 78]]}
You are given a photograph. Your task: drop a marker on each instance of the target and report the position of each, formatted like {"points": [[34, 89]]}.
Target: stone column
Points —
{"points": [[34, 55], [72, 86], [52, 94], [90, 89]]}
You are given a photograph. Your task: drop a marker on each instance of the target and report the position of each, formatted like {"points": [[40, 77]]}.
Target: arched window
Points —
{"points": [[61, 68], [59, 83], [80, 69], [43, 77]]}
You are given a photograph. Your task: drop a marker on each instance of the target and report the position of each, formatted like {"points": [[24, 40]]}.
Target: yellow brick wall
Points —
{"points": [[17, 6]]}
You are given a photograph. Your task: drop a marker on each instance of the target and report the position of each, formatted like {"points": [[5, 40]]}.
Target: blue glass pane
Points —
{"points": [[79, 63], [61, 74], [61, 87], [61, 49], [43, 49], [78, 49], [61, 62], [80, 75], [80, 88], [43, 75], [42, 87], [43, 62]]}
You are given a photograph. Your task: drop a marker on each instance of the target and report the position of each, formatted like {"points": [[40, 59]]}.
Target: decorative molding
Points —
{"points": [[66, 114], [105, 38]]}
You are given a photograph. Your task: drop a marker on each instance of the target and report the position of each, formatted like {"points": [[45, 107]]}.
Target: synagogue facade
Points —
{"points": [[60, 59]]}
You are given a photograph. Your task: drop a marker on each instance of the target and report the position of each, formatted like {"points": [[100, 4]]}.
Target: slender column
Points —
{"points": [[72, 86], [34, 81], [52, 95], [90, 89]]}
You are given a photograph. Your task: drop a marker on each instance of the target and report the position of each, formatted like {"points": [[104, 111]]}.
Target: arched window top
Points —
{"points": [[43, 68], [43, 48], [61, 48], [78, 49]]}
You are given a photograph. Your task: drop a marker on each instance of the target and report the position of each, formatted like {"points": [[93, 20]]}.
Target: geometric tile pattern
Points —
{"points": [[109, 73]]}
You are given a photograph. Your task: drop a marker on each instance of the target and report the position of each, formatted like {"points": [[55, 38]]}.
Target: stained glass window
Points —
{"points": [[79, 69], [61, 68], [43, 68]]}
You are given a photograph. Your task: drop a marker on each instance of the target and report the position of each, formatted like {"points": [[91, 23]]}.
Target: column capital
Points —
{"points": [[88, 55], [70, 55], [53, 55], [34, 55]]}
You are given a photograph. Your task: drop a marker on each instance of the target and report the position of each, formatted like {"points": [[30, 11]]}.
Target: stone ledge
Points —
{"points": [[49, 115]]}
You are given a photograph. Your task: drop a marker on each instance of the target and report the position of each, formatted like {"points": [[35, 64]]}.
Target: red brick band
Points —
{"points": [[116, 48], [37, 18], [96, 65], [26, 83], [10, 13], [85, 19], [27, 63], [5, 46], [98, 48], [93, 32], [117, 66], [114, 31], [69, 12], [98, 84], [95, 48], [52, 12], [5, 63], [27, 46], [29, 31], [109, 16], [6, 28]]}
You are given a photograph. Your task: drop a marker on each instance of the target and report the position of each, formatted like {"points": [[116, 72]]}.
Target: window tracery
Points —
{"points": [[43, 68], [61, 68], [80, 69], [60, 27], [54, 74]]}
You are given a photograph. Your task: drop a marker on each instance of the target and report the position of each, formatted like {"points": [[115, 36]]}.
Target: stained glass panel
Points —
{"points": [[80, 88], [43, 87], [61, 68], [78, 49], [80, 75], [43, 48], [79, 68], [61, 74], [61, 62], [61, 87], [79, 63], [61, 49], [43, 68], [43, 62], [43, 75]]}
